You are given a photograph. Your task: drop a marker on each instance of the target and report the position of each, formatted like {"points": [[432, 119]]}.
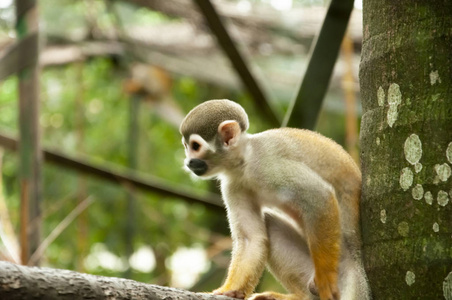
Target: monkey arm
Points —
{"points": [[250, 247]]}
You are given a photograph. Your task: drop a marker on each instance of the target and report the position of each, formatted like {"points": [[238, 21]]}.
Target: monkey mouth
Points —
{"points": [[197, 166], [199, 172]]}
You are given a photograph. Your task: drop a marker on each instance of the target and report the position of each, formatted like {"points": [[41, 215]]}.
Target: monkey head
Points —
{"points": [[210, 133]]}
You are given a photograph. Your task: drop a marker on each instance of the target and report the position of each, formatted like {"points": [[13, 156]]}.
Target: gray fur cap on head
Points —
{"points": [[205, 118]]}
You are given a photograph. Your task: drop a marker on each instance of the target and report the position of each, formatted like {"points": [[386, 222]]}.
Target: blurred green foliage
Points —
{"points": [[159, 220]]}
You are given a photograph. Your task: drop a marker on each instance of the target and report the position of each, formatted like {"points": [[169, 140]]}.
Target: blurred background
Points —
{"points": [[117, 77]]}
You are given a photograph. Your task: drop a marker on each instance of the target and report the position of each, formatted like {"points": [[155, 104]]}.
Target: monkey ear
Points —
{"points": [[229, 132]]}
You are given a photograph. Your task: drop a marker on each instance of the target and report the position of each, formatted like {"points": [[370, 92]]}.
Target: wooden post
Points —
{"points": [[133, 139], [238, 60], [305, 107], [82, 220], [29, 146]]}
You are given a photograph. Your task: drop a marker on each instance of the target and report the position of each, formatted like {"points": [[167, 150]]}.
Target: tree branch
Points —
{"points": [[121, 175], [21, 282]]}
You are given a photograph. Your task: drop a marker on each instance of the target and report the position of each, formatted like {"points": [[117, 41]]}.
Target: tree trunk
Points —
{"points": [[406, 140], [22, 283]]}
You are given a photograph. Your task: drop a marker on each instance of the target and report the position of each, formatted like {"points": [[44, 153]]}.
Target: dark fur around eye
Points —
{"points": [[195, 146]]}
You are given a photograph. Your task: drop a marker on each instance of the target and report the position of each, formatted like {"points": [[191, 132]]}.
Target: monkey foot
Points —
{"points": [[277, 296], [313, 288], [232, 294], [325, 287]]}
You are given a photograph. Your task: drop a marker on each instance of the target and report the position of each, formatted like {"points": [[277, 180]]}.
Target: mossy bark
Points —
{"points": [[406, 142]]}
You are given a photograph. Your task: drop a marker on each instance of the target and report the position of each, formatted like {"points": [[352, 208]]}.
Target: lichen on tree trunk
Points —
{"points": [[406, 143], [21, 283]]}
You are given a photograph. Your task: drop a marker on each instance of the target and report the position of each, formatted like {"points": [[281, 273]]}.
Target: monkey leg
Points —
{"points": [[291, 263], [323, 232], [289, 260]]}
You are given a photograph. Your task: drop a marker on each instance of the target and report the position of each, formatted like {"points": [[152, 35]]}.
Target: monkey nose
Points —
{"points": [[197, 166]]}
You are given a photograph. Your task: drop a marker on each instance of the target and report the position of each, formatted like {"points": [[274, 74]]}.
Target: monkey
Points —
{"points": [[292, 202]]}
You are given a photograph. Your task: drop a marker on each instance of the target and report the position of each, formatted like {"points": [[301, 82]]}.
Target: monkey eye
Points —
{"points": [[195, 146]]}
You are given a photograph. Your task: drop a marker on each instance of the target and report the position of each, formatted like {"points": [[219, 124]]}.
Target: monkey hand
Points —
{"points": [[232, 294]]}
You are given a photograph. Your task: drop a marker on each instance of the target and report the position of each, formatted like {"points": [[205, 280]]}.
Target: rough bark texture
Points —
{"points": [[22, 283], [406, 140]]}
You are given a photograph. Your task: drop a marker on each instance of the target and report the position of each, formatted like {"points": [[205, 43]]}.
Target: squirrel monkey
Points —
{"points": [[292, 199]]}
